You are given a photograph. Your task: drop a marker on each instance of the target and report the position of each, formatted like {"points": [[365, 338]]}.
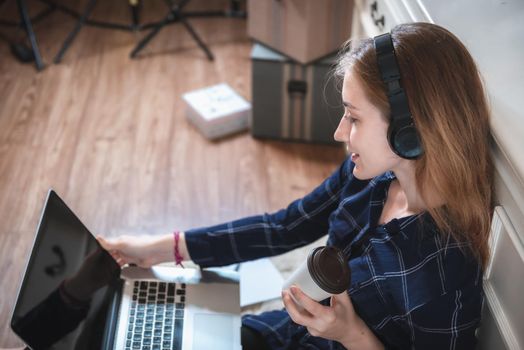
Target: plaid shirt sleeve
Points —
{"points": [[302, 222]]}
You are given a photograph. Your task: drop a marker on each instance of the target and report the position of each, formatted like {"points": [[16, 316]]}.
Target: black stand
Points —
{"points": [[72, 35], [26, 23], [83, 19], [176, 15]]}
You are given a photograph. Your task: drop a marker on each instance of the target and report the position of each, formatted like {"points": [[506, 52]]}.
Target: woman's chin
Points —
{"points": [[360, 174]]}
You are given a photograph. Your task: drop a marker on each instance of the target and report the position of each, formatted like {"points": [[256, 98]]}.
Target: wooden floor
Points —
{"points": [[109, 134]]}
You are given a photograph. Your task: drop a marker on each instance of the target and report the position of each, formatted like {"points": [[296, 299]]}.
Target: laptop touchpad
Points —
{"points": [[213, 331]]}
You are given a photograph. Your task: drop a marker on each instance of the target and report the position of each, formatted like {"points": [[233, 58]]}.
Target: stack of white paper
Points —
{"points": [[254, 289]]}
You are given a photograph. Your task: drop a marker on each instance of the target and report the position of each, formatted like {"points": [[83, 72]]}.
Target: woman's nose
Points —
{"points": [[342, 131]]}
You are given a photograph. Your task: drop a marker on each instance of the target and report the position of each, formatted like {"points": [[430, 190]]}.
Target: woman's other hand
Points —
{"points": [[143, 251], [338, 322]]}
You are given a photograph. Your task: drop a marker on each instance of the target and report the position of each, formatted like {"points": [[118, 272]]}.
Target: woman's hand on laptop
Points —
{"points": [[143, 251]]}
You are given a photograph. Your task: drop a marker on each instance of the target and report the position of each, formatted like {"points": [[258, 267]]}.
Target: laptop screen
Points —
{"points": [[64, 299]]}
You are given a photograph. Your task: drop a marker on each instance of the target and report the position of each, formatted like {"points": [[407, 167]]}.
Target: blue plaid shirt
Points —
{"points": [[412, 288]]}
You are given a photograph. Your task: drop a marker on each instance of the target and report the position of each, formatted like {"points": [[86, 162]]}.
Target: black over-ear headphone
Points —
{"points": [[402, 134]]}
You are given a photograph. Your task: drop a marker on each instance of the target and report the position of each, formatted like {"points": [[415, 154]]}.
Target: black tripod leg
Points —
{"points": [[76, 29], [195, 36], [26, 20], [43, 14], [150, 36], [174, 9]]}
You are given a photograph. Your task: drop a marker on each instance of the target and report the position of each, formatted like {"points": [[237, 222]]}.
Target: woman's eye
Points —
{"points": [[351, 119]]}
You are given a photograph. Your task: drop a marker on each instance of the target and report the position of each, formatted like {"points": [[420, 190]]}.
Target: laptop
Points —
{"points": [[73, 295]]}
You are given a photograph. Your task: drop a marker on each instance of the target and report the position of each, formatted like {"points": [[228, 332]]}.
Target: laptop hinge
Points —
{"points": [[108, 340]]}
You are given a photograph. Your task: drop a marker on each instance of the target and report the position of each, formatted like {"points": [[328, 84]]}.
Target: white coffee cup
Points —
{"points": [[324, 273]]}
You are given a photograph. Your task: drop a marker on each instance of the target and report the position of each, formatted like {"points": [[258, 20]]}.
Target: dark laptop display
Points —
{"points": [[69, 285]]}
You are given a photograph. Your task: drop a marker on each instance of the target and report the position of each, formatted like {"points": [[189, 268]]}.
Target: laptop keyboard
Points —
{"points": [[156, 316]]}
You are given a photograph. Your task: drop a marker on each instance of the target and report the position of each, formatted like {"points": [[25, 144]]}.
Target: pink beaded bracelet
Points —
{"points": [[178, 257]]}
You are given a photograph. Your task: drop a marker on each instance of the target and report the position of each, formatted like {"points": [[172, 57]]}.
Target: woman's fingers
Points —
{"points": [[311, 314], [111, 246], [312, 306], [297, 313], [107, 245], [111, 243], [342, 300], [130, 250], [302, 306]]}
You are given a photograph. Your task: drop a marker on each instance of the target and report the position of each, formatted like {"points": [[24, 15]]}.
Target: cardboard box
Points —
{"points": [[304, 30], [293, 101], [217, 110]]}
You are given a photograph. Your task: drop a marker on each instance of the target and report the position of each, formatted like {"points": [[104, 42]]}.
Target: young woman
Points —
{"points": [[418, 201]]}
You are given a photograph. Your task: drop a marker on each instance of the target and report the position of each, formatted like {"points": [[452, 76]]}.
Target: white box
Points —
{"points": [[217, 110]]}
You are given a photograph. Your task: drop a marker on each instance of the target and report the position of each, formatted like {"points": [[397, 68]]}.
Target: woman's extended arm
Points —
{"points": [[249, 238], [144, 251]]}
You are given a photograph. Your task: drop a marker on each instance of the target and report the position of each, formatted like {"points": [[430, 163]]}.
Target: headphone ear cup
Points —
{"points": [[405, 142]]}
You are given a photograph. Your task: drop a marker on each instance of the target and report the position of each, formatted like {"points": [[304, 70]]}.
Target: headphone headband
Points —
{"points": [[402, 135]]}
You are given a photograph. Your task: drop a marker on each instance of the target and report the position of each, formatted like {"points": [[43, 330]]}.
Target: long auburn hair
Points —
{"points": [[450, 111]]}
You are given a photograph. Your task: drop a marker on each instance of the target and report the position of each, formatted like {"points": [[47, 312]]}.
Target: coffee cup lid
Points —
{"points": [[329, 269]]}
